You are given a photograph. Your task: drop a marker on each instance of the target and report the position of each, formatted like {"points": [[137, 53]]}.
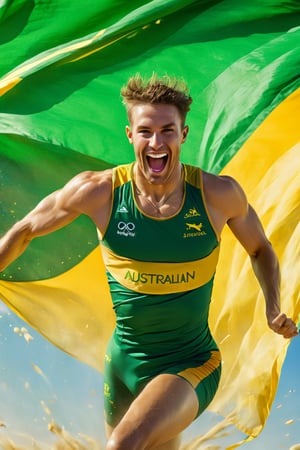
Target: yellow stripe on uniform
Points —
{"points": [[160, 278]]}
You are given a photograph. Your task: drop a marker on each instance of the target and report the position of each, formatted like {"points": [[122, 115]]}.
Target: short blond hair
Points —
{"points": [[157, 90]]}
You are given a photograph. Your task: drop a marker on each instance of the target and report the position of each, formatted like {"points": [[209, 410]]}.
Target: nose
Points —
{"points": [[156, 140]]}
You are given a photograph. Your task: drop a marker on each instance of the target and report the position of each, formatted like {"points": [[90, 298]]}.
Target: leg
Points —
{"points": [[173, 444], [155, 419]]}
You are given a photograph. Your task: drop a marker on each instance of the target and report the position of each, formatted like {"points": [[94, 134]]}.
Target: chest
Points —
{"points": [[186, 236]]}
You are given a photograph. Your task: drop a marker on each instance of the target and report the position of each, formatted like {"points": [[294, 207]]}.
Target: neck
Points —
{"points": [[155, 187], [160, 199]]}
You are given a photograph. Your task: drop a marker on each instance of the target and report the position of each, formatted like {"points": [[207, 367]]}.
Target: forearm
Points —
{"points": [[266, 268], [13, 244]]}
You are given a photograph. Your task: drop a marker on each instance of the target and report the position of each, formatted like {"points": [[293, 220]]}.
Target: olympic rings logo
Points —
{"points": [[126, 227]]}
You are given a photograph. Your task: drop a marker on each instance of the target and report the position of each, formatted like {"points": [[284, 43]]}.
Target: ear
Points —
{"points": [[184, 133], [129, 133]]}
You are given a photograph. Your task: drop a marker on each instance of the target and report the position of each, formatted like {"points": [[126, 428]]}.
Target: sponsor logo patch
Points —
{"points": [[126, 229]]}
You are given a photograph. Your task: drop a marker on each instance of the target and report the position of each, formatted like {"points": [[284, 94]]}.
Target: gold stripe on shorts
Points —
{"points": [[195, 375]]}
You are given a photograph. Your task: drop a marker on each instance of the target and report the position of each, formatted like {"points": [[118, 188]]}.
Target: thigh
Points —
{"points": [[173, 444], [205, 378], [117, 396], [155, 419]]}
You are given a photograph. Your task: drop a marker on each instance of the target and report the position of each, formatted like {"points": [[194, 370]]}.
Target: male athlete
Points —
{"points": [[159, 223]]}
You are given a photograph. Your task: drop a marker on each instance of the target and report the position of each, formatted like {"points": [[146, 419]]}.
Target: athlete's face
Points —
{"points": [[156, 133]]}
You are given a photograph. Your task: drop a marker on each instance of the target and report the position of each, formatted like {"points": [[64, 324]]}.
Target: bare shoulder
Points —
{"points": [[87, 189], [225, 197], [221, 184], [90, 180]]}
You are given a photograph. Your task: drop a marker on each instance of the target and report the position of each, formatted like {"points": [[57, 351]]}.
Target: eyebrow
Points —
{"points": [[167, 125]]}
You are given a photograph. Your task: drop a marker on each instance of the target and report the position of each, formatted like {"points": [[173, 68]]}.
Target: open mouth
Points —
{"points": [[157, 162]]}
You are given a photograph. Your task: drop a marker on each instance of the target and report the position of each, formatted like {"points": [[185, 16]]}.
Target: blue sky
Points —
{"points": [[39, 384]]}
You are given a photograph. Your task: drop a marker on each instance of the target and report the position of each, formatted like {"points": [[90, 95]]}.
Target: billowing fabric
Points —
{"points": [[62, 65]]}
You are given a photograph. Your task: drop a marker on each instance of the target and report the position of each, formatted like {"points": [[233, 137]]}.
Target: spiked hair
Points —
{"points": [[155, 90]]}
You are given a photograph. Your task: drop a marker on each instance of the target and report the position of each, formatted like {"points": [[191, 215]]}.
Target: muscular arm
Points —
{"points": [[229, 205], [250, 233], [49, 215], [87, 193]]}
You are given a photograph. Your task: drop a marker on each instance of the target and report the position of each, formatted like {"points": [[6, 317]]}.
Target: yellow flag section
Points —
{"points": [[72, 310], [268, 168]]}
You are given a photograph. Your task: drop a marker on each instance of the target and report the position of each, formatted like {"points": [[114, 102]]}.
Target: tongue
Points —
{"points": [[156, 164]]}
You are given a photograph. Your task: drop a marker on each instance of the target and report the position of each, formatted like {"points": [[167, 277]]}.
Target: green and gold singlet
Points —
{"points": [[160, 273]]}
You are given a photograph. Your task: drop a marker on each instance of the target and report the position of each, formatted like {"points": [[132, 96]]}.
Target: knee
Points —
{"points": [[118, 441]]}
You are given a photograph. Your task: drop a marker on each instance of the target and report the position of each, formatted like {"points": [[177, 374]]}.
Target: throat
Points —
{"points": [[159, 200], [165, 206]]}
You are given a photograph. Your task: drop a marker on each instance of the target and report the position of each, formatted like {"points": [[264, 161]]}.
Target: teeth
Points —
{"points": [[157, 156]]}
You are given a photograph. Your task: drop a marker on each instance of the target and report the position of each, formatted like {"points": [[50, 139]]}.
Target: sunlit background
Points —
{"points": [[46, 394], [61, 68]]}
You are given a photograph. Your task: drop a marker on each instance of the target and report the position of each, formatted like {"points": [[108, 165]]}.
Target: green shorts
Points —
{"points": [[126, 374]]}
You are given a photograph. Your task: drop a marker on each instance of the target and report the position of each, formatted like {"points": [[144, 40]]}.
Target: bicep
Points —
{"points": [[249, 231], [241, 217], [49, 215], [85, 194]]}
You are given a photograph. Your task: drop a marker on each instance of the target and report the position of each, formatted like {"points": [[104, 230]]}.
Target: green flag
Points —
{"points": [[62, 66]]}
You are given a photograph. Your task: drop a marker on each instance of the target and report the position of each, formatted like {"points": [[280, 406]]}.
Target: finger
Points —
{"points": [[279, 322], [284, 326], [289, 329], [290, 334]]}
